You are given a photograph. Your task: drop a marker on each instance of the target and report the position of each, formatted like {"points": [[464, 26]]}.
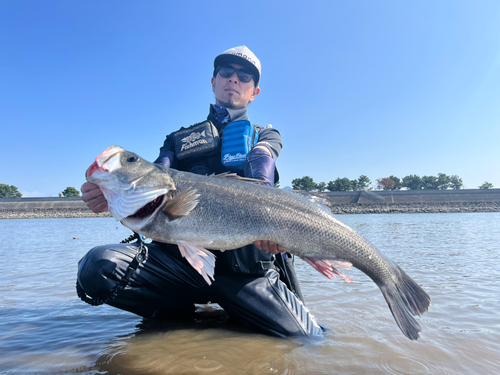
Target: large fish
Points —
{"points": [[226, 212]]}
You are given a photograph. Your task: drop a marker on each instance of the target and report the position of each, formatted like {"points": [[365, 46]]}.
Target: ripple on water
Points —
{"points": [[207, 365], [401, 364]]}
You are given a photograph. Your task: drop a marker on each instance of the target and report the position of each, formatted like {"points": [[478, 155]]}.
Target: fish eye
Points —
{"points": [[132, 159]]}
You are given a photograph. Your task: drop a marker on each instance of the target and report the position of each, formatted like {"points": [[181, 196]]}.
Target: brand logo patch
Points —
{"points": [[233, 158], [193, 140]]}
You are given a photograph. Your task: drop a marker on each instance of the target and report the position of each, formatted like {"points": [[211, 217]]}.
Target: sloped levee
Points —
{"points": [[45, 207], [414, 196], [350, 202], [414, 201], [416, 208]]}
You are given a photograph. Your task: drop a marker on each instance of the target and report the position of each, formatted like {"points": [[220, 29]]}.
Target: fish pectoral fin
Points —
{"points": [[326, 266], [182, 204], [199, 258]]}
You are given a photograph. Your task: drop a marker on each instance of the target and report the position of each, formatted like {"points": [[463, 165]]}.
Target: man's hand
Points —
{"points": [[269, 247], [92, 195]]}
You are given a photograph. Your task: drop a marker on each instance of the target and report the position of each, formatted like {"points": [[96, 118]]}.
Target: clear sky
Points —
{"points": [[374, 88]]}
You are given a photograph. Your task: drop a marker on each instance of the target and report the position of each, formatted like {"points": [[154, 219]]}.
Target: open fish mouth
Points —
{"points": [[147, 213], [149, 209]]}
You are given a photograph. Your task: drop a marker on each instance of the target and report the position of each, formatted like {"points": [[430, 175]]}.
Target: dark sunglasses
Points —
{"points": [[227, 72]]}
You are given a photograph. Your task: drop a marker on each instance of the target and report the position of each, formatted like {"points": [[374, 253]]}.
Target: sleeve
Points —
{"points": [[271, 139], [260, 165], [166, 157]]}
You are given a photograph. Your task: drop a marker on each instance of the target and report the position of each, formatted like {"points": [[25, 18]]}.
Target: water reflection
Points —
{"points": [[175, 350]]}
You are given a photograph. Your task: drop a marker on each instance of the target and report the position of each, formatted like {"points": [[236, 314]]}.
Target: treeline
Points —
{"points": [[410, 182], [414, 182], [11, 191], [340, 184]]}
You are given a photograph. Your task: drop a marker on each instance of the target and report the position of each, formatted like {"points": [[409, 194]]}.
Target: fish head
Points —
{"points": [[136, 190]]}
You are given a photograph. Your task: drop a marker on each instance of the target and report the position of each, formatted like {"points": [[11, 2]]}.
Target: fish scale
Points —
{"points": [[226, 212]]}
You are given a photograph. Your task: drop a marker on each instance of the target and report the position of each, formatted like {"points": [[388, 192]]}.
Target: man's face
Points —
{"points": [[231, 92]]}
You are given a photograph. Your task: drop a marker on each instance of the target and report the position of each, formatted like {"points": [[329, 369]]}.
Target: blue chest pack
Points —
{"points": [[238, 139]]}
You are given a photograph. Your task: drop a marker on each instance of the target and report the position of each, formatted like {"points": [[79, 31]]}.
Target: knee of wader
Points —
{"points": [[97, 270]]}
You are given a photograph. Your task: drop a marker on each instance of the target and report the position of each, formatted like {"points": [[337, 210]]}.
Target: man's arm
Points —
{"points": [[268, 246], [261, 165], [166, 157]]}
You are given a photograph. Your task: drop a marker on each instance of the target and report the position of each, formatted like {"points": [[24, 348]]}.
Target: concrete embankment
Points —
{"points": [[50, 213], [414, 201], [354, 202], [44, 208], [415, 208]]}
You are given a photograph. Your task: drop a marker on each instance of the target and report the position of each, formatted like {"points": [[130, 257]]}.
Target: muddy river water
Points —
{"points": [[46, 329]]}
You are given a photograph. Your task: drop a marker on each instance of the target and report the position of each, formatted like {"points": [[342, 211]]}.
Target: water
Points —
{"points": [[46, 329]]}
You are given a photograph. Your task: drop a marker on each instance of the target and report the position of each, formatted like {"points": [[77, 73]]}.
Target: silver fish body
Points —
{"points": [[233, 213], [224, 213]]}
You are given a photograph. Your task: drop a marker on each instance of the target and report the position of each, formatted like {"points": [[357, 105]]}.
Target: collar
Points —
{"points": [[234, 114]]}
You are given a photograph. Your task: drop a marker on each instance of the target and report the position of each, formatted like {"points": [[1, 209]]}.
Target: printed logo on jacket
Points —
{"points": [[193, 140], [196, 140]]}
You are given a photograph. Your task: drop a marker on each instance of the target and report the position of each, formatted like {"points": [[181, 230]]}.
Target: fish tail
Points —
{"points": [[406, 299]]}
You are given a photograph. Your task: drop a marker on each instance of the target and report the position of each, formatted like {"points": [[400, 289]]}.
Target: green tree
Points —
{"points": [[397, 182], [443, 181], [305, 183], [9, 191], [341, 184], [363, 183], [456, 182], [430, 182], [486, 185], [70, 192], [412, 182], [321, 186]]}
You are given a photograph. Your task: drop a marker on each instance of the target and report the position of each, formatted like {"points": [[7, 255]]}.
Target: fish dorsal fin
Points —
{"points": [[319, 199], [182, 204], [234, 176]]}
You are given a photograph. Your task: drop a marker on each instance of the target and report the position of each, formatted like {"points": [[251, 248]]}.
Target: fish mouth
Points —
{"points": [[146, 213], [102, 159], [148, 209]]}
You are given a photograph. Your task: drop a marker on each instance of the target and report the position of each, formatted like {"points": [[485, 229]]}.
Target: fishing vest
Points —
{"points": [[199, 149], [205, 149]]}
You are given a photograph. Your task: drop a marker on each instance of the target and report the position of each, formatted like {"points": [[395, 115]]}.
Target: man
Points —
{"points": [[247, 280]]}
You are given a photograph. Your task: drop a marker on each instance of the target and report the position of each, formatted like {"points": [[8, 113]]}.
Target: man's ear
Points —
{"points": [[256, 92], [213, 84]]}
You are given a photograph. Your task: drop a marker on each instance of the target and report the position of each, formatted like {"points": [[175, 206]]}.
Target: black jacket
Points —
{"points": [[243, 261]]}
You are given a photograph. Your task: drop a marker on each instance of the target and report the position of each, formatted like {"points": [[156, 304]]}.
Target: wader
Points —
{"points": [[166, 286]]}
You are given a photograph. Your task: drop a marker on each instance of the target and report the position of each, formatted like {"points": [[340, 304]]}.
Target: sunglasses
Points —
{"points": [[227, 72]]}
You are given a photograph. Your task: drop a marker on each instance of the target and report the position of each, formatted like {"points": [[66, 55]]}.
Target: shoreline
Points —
{"points": [[50, 213], [415, 208], [336, 209]]}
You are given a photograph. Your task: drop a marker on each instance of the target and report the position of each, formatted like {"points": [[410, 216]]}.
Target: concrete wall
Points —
{"points": [[337, 197], [349, 202], [414, 196], [41, 203]]}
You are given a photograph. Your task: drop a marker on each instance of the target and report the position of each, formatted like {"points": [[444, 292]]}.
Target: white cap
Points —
{"points": [[240, 55]]}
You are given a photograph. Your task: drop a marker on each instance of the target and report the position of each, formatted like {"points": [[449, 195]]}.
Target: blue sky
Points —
{"points": [[372, 88]]}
